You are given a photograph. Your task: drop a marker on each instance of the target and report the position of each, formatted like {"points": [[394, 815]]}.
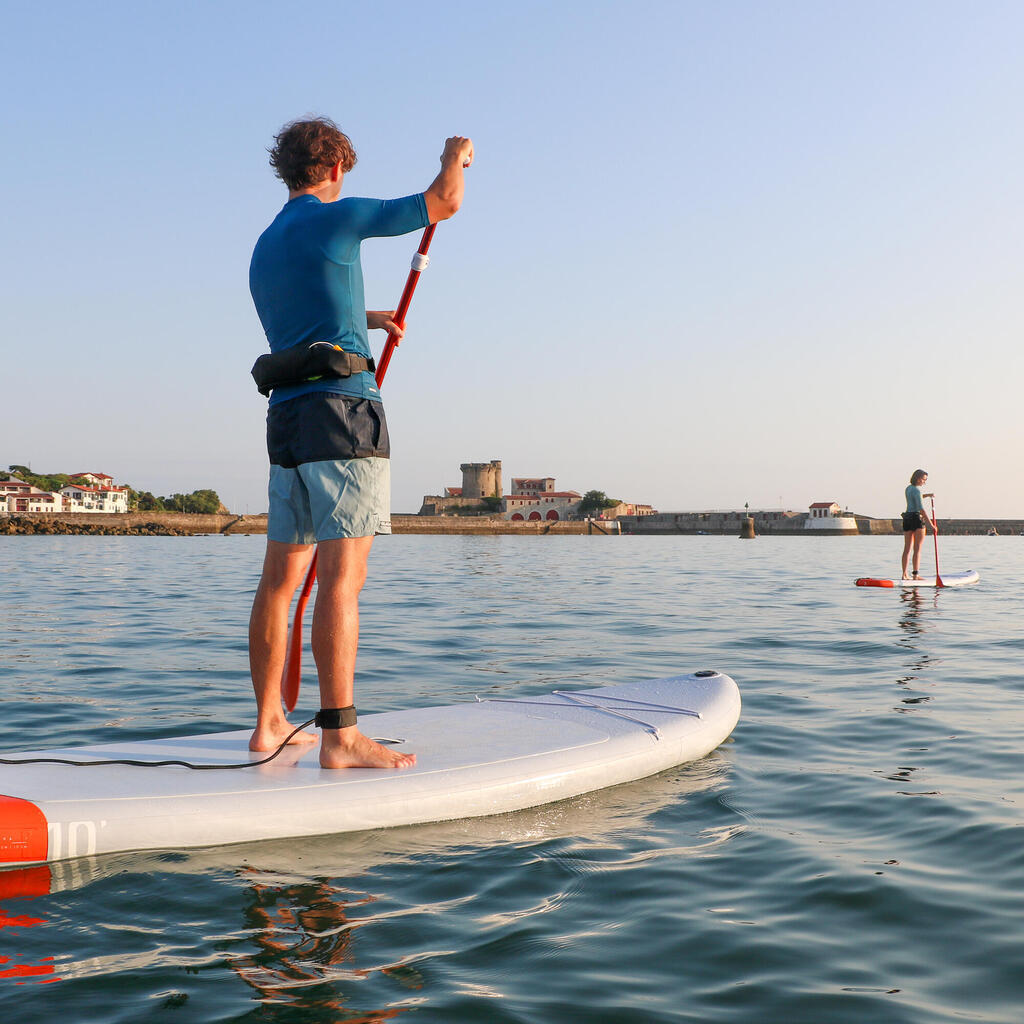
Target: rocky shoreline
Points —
{"points": [[24, 526], [183, 524]]}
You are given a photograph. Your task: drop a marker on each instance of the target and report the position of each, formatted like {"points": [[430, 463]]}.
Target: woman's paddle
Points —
{"points": [[935, 534], [291, 677]]}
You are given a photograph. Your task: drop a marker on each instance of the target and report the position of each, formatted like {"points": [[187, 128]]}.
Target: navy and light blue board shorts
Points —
{"points": [[330, 469]]}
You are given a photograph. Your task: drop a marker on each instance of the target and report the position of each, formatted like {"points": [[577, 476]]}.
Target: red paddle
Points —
{"points": [[292, 674], [935, 534]]}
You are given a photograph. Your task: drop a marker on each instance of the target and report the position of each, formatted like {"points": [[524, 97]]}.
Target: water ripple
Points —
{"points": [[853, 854]]}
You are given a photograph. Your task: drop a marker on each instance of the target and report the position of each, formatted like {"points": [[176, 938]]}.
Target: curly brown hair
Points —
{"points": [[305, 151]]}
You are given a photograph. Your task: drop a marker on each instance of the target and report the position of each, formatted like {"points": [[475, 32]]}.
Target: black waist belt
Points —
{"points": [[301, 364]]}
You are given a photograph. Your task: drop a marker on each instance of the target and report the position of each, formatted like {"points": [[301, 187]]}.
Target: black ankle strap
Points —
{"points": [[335, 718]]}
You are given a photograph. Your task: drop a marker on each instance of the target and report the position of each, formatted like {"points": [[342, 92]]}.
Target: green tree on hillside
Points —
{"points": [[596, 501], [42, 481]]}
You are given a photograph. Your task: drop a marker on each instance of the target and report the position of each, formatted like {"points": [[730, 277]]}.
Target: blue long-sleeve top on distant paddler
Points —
{"points": [[301, 297], [914, 502]]}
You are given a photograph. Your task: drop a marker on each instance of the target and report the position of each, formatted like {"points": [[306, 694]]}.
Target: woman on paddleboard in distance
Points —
{"points": [[914, 521]]}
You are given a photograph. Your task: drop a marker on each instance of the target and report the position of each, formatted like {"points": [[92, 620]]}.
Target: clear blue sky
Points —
{"points": [[710, 252]]}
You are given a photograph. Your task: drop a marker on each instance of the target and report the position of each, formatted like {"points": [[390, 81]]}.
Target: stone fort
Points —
{"points": [[479, 480]]}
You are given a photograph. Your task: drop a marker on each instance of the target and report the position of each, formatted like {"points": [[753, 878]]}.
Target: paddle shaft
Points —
{"points": [[935, 535], [292, 674], [402, 309]]}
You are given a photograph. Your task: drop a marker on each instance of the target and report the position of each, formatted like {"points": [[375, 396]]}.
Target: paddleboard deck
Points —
{"points": [[953, 579], [476, 759]]}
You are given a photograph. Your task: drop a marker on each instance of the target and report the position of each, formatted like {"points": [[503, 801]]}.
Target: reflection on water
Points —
{"points": [[16, 888], [914, 627], [304, 942], [300, 928]]}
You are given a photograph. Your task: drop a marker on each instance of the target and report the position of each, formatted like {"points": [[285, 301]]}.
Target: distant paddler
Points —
{"points": [[915, 519]]}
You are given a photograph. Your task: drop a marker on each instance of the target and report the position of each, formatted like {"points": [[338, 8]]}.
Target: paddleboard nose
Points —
{"points": [[23, 835]]}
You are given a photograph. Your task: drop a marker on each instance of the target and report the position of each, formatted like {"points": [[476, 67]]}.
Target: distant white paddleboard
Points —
{"points": [[472, 760], [953, 579]]}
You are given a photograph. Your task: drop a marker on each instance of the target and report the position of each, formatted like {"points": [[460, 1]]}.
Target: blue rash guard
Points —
{"points": [[914, 503], [307, 282]]}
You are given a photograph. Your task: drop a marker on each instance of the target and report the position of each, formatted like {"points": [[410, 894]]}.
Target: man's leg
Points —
{"points": [[341, 568], [283, 568]]}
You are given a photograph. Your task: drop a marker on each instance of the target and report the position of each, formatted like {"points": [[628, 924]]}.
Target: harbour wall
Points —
{"points": [[661, 523], [183, 523], [788, 525]]}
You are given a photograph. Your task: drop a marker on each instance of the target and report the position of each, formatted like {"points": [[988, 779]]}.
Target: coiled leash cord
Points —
{"points": [[161, 764]]}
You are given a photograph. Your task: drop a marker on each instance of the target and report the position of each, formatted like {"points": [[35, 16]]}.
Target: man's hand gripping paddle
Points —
{"points": [[935, 534], [292, 675]]}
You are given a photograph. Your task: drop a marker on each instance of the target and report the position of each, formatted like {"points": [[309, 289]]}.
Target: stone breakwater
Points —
{"points": [[182, 524]]}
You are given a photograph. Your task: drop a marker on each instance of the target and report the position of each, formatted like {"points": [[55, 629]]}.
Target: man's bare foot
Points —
{"points": [[269, 736], [349, 748]]}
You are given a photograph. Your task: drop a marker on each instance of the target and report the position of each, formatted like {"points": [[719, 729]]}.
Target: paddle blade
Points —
{"points": [[291, 677]]}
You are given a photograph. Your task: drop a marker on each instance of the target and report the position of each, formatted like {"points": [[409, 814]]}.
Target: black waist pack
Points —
{"points": [[301, 364], [913, 520]]}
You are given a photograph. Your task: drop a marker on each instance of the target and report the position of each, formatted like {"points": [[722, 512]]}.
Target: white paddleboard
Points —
{"points": [[472, 760], [953, 579]]}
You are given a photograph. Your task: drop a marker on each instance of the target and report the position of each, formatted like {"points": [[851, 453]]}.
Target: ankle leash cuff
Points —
{"points": [[335, 718]]}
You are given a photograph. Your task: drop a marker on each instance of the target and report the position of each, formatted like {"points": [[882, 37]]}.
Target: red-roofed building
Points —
{"points": [[94, 492], [822, 509], [546, 504], [18, 496], [93, 479]]}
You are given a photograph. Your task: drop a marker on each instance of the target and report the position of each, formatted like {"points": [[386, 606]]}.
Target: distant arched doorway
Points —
{"points": [[517, 517], [534, 516], [552, 514]]}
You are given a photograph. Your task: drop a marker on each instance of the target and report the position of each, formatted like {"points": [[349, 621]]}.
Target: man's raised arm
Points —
{"points": [[444, 197]]}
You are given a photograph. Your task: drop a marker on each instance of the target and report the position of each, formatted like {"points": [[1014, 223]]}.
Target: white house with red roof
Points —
{"points": [[826, 516], [94, 492], [17, 496], [93, 479]]}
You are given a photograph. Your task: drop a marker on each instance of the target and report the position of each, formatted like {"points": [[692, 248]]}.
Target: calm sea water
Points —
{"points": [[855, 853]]}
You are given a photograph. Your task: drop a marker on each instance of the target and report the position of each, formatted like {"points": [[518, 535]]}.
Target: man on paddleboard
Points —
{"points": [[326, 433]]}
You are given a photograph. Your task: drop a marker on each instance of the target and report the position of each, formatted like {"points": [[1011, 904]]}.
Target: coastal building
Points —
{"points": [[826, 517], [94, 497], [551, 505], [533, 484], [88, 492], [93, 480], [532, 498], [535, 497], [18, 496], [481, 479]]}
